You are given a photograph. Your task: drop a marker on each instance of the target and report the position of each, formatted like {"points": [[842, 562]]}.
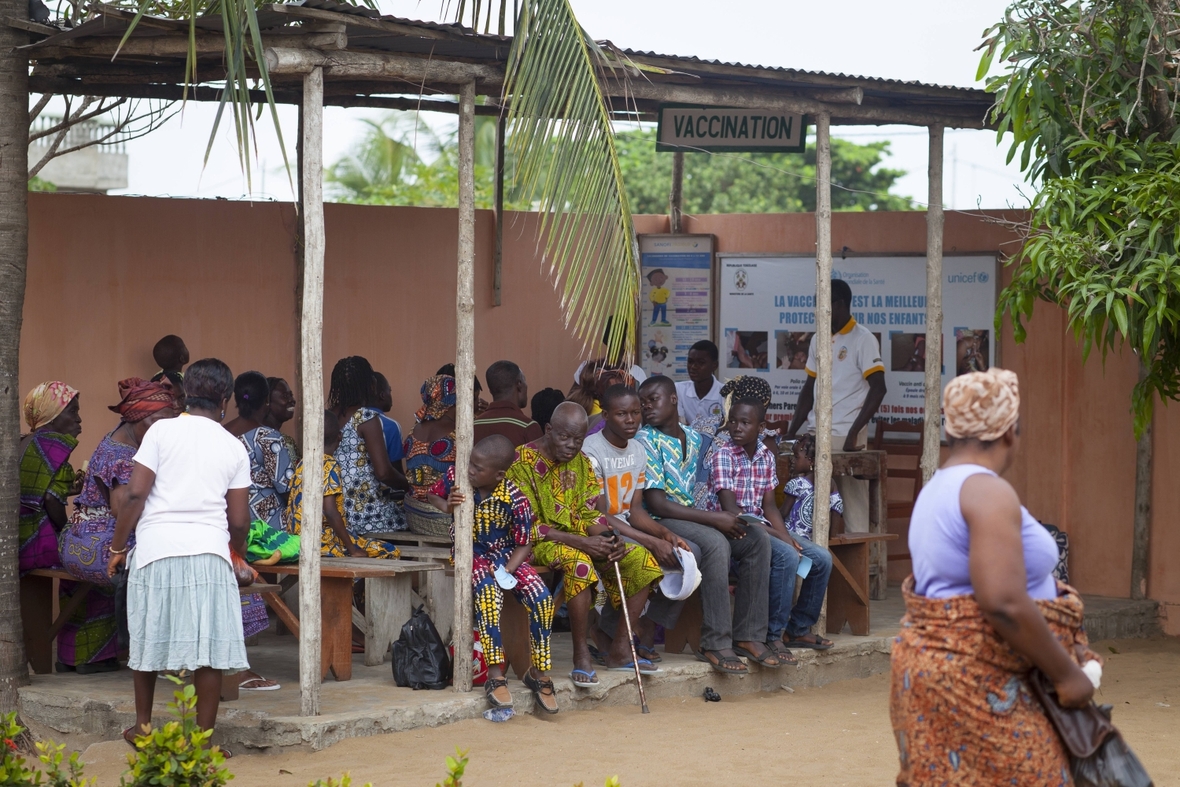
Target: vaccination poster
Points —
{"points": [[767, 318], [675, 301]]}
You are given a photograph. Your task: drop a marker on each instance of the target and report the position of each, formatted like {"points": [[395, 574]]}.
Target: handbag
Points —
{"points": [[1098, 755], [420, 659]]}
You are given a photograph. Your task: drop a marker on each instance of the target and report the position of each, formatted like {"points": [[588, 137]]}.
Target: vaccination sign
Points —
{"points": [[767, 318], [675, 300], [696, 128]]}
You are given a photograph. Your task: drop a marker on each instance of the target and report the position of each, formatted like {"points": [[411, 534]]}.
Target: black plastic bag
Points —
{"points": [[122, 636], [420, 658], [1113, 765]]}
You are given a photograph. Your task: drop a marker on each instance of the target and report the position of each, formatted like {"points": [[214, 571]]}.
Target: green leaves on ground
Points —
{"points": [[1089, 95]]}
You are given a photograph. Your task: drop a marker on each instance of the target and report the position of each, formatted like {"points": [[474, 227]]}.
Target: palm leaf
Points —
{"points": [[564, 146]]}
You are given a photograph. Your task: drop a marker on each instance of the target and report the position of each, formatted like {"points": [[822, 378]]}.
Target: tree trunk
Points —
{"points": [[14, 246], [1141, 524]]}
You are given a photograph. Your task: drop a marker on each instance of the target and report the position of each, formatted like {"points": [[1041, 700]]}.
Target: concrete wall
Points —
{"points": [[110, 275]]}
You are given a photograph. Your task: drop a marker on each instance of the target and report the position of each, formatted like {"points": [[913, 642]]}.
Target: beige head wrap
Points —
{"points": [[981, 405]]}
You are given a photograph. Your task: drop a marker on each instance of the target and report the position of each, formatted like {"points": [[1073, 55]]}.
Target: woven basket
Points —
{"points": [[426, 520]]}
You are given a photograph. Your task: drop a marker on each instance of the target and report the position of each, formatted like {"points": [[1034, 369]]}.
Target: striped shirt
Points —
{"points": [[505, 418]]}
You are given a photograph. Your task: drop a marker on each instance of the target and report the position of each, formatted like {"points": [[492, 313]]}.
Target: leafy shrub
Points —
{"points": [[13, 772], [178, 754], [52, 756]]}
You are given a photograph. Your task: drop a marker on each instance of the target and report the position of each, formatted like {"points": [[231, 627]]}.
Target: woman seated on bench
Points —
{"points": [[335, 539], [46, 477], [88, 642]]}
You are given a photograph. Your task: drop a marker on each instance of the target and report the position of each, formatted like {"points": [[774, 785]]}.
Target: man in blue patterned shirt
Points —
{"points": [[673, 454]]}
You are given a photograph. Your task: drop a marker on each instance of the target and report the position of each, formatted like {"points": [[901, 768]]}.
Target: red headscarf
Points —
{"points": [[141, 399]]}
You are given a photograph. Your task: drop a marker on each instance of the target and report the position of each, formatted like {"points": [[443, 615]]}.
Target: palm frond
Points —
{"points": [[563, 143]]}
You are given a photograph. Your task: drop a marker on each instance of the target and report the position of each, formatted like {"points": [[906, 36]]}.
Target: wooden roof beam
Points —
{"points": [[177, 46], [381, 65]]}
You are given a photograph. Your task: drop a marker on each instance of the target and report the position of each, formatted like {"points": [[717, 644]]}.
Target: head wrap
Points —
{"points": [[46, 402], [141, 399], [438, 396], [981, 405], [747, 386]]}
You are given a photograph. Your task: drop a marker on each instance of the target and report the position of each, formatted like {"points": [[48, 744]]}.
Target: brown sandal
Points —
{"points": [[726, 665], [543, 690], [490, 688]]}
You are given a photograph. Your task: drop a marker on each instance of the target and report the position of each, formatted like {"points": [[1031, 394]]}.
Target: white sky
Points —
{"points": [[925, 40]]}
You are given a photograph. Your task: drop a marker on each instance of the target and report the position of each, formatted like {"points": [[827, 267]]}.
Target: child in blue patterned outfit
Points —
{"points": [[799, 508], [502, 542]]}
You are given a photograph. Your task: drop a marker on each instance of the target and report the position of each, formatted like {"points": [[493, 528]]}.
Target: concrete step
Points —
{"points": [[1121, 618]]}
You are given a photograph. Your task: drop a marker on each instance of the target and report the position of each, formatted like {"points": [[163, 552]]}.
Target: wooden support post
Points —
{"points": [[1141, 523], [498, 207], [823, 329], [931, 434], [311, 337], [464, 373], [676, 198]]}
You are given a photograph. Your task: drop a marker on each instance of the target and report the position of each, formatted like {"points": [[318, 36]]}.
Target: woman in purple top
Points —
{"points": [[982, 611]]}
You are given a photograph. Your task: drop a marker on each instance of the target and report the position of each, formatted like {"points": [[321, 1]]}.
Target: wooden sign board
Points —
{"points": [[730, 130]]}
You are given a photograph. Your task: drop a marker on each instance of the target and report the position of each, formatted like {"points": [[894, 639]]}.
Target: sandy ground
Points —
{"points": [[835, 735]]}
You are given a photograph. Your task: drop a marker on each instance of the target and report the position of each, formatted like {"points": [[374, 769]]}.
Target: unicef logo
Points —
{"points": [[739, 280], [983, 276]]}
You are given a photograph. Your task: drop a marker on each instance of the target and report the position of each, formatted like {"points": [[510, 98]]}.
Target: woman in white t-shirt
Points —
{"points": [[188, 504]]}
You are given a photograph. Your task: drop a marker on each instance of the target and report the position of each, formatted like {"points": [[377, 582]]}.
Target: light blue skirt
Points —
{"points": [[185, 613]]}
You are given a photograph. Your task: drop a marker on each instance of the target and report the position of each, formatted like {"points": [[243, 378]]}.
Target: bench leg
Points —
{"points": [[387, 608], [440, 601], [36, 611], [848, 599], [336, 625], [514, 636], [230, 683], [687, 630]]}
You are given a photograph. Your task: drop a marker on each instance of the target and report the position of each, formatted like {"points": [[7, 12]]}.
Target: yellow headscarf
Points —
{"points": [[46, 402]]}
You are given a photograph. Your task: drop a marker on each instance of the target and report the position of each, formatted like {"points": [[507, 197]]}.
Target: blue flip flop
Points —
{"points": [[645, 668], [590, 678]]}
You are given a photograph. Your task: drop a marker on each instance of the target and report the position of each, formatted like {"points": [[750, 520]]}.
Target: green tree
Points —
{"points": [[1090, 99], [757, 182], [1089, 94]]}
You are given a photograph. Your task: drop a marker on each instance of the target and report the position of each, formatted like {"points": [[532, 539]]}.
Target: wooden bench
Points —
{"points": [[388, 587], [38, 592], [848, 587], [438, 594]]}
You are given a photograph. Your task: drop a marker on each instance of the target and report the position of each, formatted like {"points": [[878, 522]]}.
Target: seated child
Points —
{"points": [[799, 507], [620, 462], [171, 355], [335, 540], [500, 555], [742, 478]]}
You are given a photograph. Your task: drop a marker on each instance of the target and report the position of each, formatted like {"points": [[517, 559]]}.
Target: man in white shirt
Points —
{"points": [[700, 394], [858, 387]]}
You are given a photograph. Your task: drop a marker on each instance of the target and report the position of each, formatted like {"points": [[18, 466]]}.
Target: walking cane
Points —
{"points": [[630, 636]]}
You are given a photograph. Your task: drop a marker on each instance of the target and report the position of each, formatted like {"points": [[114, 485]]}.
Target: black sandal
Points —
{"points": [[781, 652], [726, 665], [819, 643], [489, 689], [761, 661], [543, 690], [648, 653]]}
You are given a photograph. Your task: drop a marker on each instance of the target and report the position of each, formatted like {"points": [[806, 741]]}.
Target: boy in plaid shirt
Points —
{"points": [[742, 480]]}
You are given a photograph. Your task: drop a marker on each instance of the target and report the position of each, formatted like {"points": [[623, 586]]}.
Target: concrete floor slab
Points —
{"points": [[371, 704]]}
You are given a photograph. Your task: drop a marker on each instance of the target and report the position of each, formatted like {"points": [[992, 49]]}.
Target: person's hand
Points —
{"points": [[598, 547], [676, 541], [456, 498], [791, 540], [1076, 690], [728, 524], [850, 444], [618, 551], [354, 551], [664, 553], [114, 563]]}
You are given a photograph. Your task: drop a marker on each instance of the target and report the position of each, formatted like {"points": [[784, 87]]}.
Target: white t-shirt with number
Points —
{"points": [[196, 462], [620, 471], [855, 355]]}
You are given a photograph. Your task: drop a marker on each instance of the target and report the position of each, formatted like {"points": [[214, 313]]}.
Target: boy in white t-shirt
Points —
{"points": [[620, 462], [858, 387]]}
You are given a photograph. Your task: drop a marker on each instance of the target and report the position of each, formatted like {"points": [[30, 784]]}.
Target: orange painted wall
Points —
{"points": [[110, 275]]}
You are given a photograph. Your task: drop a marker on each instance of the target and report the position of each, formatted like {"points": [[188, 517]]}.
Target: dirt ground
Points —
{"points": [[835, 735]]}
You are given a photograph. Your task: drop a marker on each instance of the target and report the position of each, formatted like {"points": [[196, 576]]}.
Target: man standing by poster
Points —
{"points": [[858, 386]]}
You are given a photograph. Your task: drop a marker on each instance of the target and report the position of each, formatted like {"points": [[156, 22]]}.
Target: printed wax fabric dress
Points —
{"points": [[271, 473], [369, 505]]}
